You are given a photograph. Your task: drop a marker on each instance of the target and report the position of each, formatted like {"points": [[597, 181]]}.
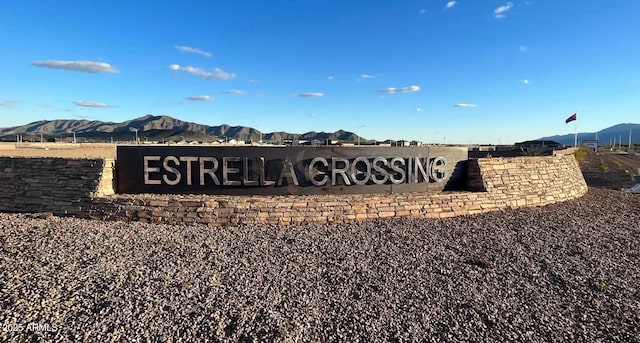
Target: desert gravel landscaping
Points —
{"points": [[564, 272]]}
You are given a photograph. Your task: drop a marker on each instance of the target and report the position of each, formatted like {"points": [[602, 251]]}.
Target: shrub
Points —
{"points": [[581, 154]]}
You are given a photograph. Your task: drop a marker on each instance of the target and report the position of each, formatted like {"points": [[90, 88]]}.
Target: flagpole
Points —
{"points": [[575, 136]]}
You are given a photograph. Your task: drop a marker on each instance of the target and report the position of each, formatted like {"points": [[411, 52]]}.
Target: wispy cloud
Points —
{"points": [[525, 81], [234, 92], [423, 11], [216, 74], [522, 48], [83, 66], [200, 98], [419, 109], [450, 4], [91, 104], [85, 117], [501, 11], [367, 76], [310, 95], [464, 105], [331, 78], [313, 115], [412, 88], [7, 102], [391, 90], [193, 50]]}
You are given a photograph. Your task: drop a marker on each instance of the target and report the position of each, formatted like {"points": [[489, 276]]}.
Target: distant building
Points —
{"points": [[591, 144], [539, 146]]}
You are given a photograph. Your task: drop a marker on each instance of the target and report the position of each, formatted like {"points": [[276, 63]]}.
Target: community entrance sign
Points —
{"points": [[287, 170]]}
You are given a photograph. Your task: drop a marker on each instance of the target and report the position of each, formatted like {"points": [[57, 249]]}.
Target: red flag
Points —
{"points": [[571, 118]]}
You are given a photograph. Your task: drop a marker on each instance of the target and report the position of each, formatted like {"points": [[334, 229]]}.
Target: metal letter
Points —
{"points": [[288, 172], [264, 182], [422, 168], [394, 161], [342, 171], [188, 159], [380, 171], [226, 170], [175, 171], [355, 172], [147, 170], [245, 180], [438, 174], [211, 171], [313, 172]]}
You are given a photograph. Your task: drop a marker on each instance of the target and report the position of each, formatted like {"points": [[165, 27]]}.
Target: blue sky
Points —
{"points": [[444, 71]]}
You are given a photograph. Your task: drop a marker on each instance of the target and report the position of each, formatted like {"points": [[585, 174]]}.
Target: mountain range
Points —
{"points": [[155, 128], [165, 128], [618, 133]]}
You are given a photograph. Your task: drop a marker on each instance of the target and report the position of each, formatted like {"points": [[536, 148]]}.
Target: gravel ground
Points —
{"points": [[565, 272]]}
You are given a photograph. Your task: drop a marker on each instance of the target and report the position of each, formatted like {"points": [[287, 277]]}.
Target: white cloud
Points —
{"points": [[465, 105], [85, 117], [408, 89], [216, 74], [526, 82], [193, 50], [91, 104], [310, 95], [423, 11], [450, 4], [234, 92], [412, 88], [331, 78], [83, 66], [522, 48], [313, 115], [500, 11], [367, 76], [200, 98], [7, 102], [419, 109]]}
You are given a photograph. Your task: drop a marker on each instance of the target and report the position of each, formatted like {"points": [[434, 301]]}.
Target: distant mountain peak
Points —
{"points": [[618, 133], [159, 127]]}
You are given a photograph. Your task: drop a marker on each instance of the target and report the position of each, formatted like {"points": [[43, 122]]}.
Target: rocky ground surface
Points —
{"points": [[564, 272]]}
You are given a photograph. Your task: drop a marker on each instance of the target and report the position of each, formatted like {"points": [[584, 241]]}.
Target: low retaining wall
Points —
{"points": [[83, 188], [60, 185]]}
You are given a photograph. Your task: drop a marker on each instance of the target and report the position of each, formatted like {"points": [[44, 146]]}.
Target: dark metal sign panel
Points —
{"points": [[277, 170]]}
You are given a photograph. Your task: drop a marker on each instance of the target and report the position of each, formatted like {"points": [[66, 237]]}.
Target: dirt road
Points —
{"points": [[67, 150]]}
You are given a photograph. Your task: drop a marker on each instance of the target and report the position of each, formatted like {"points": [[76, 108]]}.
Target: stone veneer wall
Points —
{"points": [[59, 185], [83, 188]]}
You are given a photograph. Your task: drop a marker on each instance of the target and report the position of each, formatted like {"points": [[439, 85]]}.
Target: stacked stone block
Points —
{"points": [[59, 185]]}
